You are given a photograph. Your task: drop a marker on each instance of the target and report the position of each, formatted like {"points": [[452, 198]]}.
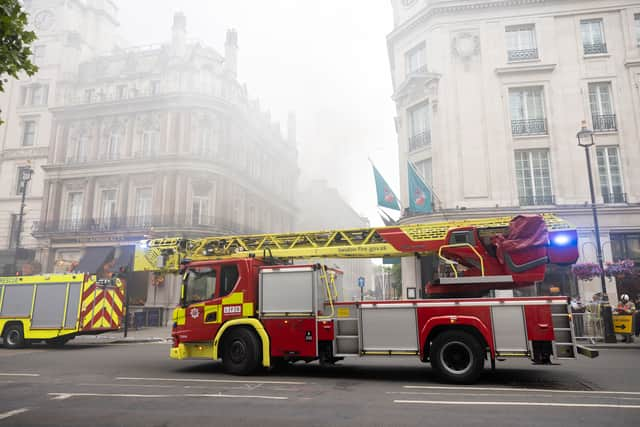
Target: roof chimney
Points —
{"points": [[179, 34]]}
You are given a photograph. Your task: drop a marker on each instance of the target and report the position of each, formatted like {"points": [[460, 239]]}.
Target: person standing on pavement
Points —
{"points": [[577, 308]]}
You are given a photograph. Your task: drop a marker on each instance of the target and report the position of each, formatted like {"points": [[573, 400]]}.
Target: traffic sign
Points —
{"points": [[361, 281]]}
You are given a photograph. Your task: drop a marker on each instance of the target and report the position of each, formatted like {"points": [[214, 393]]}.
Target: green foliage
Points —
{"points": [[15, 41]]}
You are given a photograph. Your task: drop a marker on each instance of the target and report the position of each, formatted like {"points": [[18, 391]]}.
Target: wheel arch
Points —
{"points": [[11, 323], [252, 324], [437, 325]]}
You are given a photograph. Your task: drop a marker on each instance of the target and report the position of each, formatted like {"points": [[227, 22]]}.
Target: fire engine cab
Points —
{"points": [[244, 302]]}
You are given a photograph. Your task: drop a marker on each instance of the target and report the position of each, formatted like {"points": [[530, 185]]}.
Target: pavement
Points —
{"points": [[142, 335]]}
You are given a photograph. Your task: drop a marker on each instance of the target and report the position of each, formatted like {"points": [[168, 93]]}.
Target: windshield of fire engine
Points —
{"points": [[200, 285]]}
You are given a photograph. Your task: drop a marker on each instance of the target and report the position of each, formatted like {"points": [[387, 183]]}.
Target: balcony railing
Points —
{"points": [[142, 223], [595, 48], [522, 54], [529, 127], [420, 140], [604, 122], [614, 197], [537, 200]]}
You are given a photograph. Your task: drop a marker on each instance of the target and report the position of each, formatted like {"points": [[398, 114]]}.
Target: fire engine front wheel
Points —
{"points": [[457, 357], [13, 336], [241, 352]]}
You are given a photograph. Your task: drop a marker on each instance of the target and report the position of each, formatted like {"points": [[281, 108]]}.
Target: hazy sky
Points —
{"points": [[324, 59]]}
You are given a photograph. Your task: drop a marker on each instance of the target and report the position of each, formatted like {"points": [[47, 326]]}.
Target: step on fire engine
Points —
{"points": [[244, 302]]}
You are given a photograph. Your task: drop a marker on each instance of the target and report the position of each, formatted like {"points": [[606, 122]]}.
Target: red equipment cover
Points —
{"points": [[525, 233]]}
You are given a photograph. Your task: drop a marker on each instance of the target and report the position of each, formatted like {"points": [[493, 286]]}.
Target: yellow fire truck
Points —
{"points": [[57, 307]]}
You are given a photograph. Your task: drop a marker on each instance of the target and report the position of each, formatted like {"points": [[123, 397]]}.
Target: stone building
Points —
{"points": [[490, 95], [68, 33], [157, 141]]}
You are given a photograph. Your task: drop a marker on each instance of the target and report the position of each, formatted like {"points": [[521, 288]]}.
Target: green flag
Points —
{"points": [[419, 193], [386, 197]]}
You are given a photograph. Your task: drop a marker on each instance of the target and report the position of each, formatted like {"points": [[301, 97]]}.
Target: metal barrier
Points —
{"points": [[588, 326]]}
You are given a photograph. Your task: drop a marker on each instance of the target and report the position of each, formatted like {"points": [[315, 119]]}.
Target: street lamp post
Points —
{"points": [[25, 177], [585, 140]]}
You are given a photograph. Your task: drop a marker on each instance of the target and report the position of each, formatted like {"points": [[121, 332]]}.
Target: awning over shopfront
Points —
{"points": [[95, 258]]}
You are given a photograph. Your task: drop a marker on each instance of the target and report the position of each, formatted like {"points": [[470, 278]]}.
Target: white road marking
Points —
{"points": [[515, 389], [63, 396], [557, 404], [127, 385], [17, 374], [201, 380], [12, 413], [429, 393]]}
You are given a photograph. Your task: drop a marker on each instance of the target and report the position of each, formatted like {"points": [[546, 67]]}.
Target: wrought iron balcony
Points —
{"points": [[529, 127], [420, 140], [522, 54], [614, 197], [537, 200], [595, 48], [604, 122], [142, 223]]}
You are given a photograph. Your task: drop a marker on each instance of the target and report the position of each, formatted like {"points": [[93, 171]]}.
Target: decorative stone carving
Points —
{"points": [[465, 45]]}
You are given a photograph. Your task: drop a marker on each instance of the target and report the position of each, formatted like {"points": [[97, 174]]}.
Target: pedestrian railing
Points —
{"points": [[587, 326]]}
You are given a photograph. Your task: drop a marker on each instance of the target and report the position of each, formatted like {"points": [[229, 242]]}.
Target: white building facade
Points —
{"points": [[490, 96]]}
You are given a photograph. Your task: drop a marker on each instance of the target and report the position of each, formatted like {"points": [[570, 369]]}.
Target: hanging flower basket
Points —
{"points": [[619, 268], [586, 270]]}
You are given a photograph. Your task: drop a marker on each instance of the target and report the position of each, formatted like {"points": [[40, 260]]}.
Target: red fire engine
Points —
{"points": [[243, 301]]}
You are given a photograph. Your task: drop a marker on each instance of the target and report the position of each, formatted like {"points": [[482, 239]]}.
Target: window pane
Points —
{"points": [[28, 133]]}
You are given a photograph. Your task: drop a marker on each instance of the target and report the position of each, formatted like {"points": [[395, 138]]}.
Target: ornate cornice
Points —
{"points": [[450, 8]]}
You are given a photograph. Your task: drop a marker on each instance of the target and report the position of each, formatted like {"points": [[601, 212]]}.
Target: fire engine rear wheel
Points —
{"points": [[13, 336], [241, 352], [457, 357]]}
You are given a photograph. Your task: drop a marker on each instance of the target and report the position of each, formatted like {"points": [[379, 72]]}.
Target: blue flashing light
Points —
{"points": [[561, 239]]}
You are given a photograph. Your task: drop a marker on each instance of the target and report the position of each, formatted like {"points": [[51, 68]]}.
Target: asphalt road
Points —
{"points": [[136, 384]]}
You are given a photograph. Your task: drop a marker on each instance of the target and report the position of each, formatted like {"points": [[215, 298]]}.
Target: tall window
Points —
{"points": [[626, 246], [154, 87], [150, 143], [143, 206], [533, 177], [200, 208], [107, 207], [121, 91], [602, 114], [205, 142], [527, 111], [420, 127], [77, 149], [113, 146], [28, 133], [610, 175], [424, 168], [521, 42], [88, 95], [636, 21], [415, 60], [74, 208], [593, 36], [39, 94]]}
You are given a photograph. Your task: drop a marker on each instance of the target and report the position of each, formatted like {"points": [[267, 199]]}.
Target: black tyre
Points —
{"points": [[13, 336], [457, 357], [241, 352]]}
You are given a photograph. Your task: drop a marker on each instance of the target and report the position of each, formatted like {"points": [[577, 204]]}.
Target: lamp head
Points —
{"points": [[26, 174], [585, 136]]}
